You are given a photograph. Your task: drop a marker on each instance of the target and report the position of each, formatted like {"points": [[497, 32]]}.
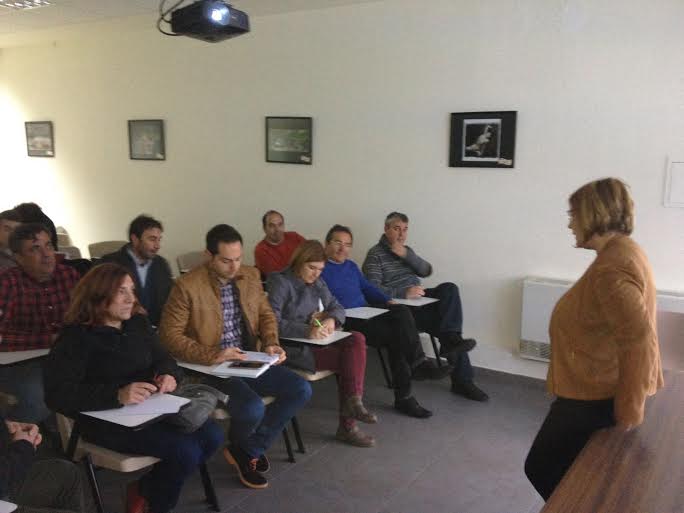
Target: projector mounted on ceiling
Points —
{"points": [[209, 20]]}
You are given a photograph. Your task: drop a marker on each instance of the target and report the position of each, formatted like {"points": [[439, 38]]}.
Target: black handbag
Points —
{"points": [[203, 400]]}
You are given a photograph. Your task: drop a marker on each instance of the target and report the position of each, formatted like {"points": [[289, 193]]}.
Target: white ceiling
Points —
{"points": [[70, 12]]}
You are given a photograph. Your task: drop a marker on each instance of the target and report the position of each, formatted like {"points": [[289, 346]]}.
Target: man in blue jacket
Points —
{"points": [[394, 330]]}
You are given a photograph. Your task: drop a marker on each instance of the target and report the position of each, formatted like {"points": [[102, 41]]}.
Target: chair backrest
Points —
{"points": [[63, 238], [70, 252], [188, 261], [100, 249]]}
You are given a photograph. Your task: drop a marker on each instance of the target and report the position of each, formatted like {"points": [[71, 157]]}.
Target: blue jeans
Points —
{"points": [[254, 427], [25, 382], [180, 455]]}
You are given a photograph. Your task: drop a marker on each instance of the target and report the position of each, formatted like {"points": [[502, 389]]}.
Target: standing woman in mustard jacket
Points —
{"points": [[605, 359]]}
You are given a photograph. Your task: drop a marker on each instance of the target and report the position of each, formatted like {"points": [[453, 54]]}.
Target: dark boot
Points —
{"points": [[469, 390], [409, 406]]}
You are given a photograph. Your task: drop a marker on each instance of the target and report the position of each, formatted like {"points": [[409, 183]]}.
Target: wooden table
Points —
{"points": [[641, 471]]}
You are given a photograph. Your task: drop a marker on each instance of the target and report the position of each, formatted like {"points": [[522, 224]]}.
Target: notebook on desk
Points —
{"points": [[254, 366]]}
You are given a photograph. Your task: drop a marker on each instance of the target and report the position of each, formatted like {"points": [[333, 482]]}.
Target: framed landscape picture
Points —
{"points": [[482, 139], [146, 139], [39, 139], [289, 140]]}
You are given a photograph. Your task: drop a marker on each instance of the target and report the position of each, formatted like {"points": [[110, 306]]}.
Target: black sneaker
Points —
{"points": [[246, 467], [469, 390], [410, 407], [450, 343], [263, 465], [429, 370]]}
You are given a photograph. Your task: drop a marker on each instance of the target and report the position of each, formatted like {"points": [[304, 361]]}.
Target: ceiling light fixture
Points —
{"points": [[24, 4]]}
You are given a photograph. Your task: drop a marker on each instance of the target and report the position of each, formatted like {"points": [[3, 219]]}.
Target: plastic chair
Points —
{"points": [[100, 249], [93, 456], [188, 261], [70, 252]]}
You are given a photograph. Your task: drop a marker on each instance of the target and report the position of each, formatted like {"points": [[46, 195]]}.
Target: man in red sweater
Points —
{"points": [[274, 251]]}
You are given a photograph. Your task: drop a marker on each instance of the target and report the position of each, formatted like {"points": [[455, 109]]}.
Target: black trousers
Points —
{"points": [[395, 330], [565, 431], [445, 316]]}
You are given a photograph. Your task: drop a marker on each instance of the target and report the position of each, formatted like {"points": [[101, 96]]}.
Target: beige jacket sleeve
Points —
{"points": [[175, 330], [621, 295]]}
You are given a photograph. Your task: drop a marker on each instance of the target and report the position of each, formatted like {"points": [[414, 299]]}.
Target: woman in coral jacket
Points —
{"points": [[605, 359]]}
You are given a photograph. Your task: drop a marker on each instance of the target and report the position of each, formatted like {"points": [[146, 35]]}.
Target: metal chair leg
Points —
{"points": [[209, 490], [385, 372], [288, 446], [92, 479], [436, 350], [298, 435]]}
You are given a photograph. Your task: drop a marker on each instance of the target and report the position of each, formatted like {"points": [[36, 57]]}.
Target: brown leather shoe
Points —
{"points": [[354, 408], [354, 436]]}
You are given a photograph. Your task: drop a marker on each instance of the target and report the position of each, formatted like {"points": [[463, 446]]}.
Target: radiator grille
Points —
{"points": [[535, 350]]}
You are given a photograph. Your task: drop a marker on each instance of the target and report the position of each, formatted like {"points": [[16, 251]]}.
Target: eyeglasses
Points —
{"points": [[339, 243]]}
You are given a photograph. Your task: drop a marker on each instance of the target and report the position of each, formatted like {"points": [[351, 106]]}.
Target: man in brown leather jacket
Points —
{"points": [[213, 313]]}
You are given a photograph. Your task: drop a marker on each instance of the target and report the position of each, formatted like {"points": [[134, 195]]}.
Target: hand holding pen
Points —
{"points": [[320, 330]]}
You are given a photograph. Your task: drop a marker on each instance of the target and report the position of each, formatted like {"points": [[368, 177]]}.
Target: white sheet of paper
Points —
{"points": [[420, 301], [136, 414], [7, 507], [8, 357], [364, 312], [337, 335], [258, 356]]}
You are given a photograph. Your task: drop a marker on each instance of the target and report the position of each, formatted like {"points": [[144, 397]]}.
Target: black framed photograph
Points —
{"points": [[146, 139], [40, 141], [289, 140], [482, 139]]}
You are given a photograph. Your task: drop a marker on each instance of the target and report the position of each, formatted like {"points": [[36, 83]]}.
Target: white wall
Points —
{"points": [[598, 87]]}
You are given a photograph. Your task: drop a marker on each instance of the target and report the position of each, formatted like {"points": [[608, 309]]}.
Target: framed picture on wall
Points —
{"points": [[39, 139], [289, 140], [482, 139], [146, 139]]}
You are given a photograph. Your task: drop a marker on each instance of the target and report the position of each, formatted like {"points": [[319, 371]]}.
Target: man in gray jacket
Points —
{"points": [[396, 269]]}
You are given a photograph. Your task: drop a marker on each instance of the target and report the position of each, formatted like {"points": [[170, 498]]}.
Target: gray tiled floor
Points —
{"points": [[466, 459]]}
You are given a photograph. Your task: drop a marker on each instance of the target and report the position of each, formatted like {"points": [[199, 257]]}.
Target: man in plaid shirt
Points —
{"points": [[34, 297]]}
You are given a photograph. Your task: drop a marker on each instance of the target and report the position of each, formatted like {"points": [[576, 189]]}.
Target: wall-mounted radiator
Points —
{"points": [[540, 295]]}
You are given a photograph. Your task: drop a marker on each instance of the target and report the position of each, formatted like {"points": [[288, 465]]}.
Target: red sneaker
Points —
{"points": [[135, 503]]}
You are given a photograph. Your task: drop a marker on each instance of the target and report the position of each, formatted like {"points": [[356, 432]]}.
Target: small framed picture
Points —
{"points": [[482, 139], [289, 140], [39, 139], [146, 139]]}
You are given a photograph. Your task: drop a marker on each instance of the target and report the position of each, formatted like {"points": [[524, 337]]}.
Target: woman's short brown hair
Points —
{"points": [[94, 293], [307, 251], [602, 206]]}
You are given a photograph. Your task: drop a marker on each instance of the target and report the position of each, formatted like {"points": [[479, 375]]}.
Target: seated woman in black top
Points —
{"points": [[108, 356]]}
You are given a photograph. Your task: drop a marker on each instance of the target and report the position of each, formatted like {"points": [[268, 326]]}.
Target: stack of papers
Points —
{"points": [[135, 414]]}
